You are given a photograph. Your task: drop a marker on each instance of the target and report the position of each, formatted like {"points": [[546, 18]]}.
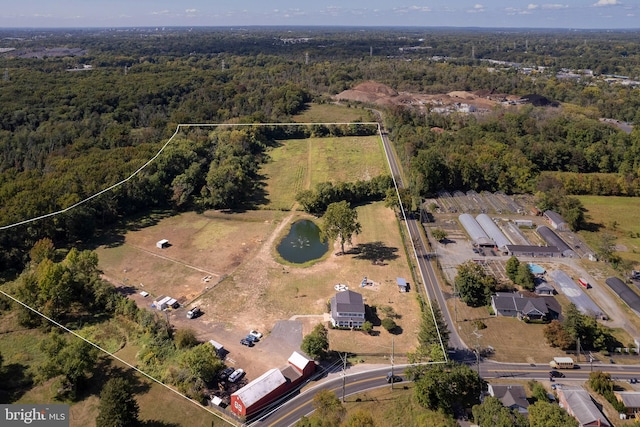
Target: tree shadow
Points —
{"points": [[397, 330], [15, 381], [374, 251], [371, 314]]}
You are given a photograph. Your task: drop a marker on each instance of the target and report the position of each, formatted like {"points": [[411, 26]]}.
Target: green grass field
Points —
{"points": [[616, 216], [302, 163], [332, 113]]}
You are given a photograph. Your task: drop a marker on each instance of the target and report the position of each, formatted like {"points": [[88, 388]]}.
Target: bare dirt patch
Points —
{"points": [[380, 94], [250, 289]]}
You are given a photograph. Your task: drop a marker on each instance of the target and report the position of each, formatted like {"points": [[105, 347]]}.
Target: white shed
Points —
{"points": [[161, 244]]}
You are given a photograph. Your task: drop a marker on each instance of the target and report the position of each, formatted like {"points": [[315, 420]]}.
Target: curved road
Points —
{"points": [[291, 411]]}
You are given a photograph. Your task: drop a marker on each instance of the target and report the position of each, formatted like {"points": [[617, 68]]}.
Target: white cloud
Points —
{"points": [[160, 12], [554, 6], [607, 3], [532, 6], [478, 8], [191, 11], [420, 8]]}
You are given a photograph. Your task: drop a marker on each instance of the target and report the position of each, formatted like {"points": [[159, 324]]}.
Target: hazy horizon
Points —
{"points": [[568, 14]]}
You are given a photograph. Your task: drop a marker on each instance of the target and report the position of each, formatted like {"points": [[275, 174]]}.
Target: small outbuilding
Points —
{"points": [[402, 284], [556, 221], [162, 244]]}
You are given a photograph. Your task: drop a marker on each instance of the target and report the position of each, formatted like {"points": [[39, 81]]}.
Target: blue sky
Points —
{"points": [[457, 13]]}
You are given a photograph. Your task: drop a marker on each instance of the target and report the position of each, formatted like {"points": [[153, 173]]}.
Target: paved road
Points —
{"points": [[422, 254], [291, 411]]}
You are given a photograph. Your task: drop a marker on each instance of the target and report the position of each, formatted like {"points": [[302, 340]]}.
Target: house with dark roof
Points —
{"points": [[579, 404], [347, 310], [517, 305], [512, 396]]}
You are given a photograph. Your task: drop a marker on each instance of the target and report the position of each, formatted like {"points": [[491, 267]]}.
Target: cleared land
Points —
{"points": [[332, 113], [616, 216], [300, 164], [248, 286]]}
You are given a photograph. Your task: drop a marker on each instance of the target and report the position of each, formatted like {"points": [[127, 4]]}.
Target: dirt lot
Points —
{"points": [[378, 93]]}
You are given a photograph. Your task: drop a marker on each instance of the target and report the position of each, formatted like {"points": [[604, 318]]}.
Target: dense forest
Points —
{"points": [[68, 131]]}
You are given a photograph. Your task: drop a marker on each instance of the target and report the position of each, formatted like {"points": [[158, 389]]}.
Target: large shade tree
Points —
{"points": [[340, 221]]}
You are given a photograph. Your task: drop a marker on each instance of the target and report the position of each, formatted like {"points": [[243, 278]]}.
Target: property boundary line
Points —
{"points": [[149, 162]]}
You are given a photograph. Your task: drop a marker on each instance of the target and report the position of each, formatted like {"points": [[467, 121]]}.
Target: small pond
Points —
{"points": [[303, 243]]}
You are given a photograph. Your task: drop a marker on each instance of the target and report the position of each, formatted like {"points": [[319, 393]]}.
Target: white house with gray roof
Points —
{"points": [[347, 310]]}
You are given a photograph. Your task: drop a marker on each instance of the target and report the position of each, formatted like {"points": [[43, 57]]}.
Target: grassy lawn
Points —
{"points": [[512, 339], [395, 407], [616, 216], [300, 164], [332, 113]]}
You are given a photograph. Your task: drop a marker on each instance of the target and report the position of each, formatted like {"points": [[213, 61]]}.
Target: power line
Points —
{"points": [[61, 326], [117, 184]]}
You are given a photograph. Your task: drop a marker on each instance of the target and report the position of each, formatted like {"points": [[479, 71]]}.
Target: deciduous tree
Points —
{"points": [[545, 414], [117, 405], [492, 413], [340, 221]]}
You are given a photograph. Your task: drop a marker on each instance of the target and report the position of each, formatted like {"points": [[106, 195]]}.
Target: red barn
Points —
{"points": [[271, 385]]}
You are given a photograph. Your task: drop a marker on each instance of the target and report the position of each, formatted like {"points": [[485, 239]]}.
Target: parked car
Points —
{"points": [[193, 313], [251, 338], [256, 334], [393, 378], [224, 374], [236, 375], [246, 342], [633, 381]]}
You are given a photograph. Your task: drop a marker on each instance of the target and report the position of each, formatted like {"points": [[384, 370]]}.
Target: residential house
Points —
{"points": [[631, 401], [579, 404], [512, 396], [347, 310], [517, 305]]}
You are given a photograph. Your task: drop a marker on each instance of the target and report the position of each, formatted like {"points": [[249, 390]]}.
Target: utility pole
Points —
{"points": [[392, 354], [344, 374]]}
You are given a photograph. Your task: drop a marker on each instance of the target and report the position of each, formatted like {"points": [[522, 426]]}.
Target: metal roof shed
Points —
{"points": [[553, 239], [475, 231]]}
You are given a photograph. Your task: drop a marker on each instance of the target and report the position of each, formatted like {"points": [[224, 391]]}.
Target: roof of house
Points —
{"points": [[260, 387], [348, 302], [510, 395], [582, 406], [519, 303], [631, 399], [401, 282]]}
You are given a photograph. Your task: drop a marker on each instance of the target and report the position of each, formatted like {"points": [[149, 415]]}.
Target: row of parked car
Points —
{"points": [[251, 338]]}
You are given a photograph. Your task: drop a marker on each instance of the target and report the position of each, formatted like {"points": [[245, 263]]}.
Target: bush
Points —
{"points": [[389, 324], [367, 327]]}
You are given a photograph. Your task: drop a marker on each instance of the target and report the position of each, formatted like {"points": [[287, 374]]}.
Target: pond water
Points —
{"points": [[303, 243]]}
